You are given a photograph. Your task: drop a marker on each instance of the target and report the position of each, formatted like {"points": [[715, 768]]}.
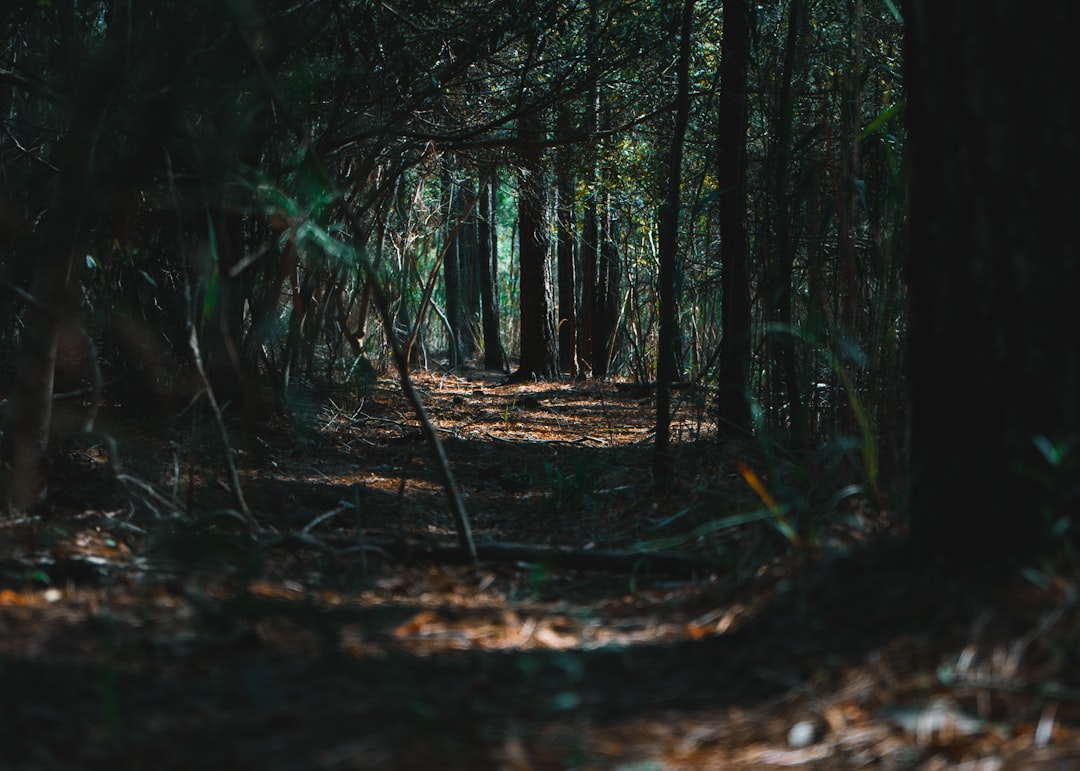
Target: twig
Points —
{"points": [[230, 461], [425, 298], [609, 560], [308, 541], [148, 489], [30, 153], [339, 509]]}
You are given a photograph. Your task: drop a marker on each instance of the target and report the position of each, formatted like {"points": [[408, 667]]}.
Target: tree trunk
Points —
{"points": [[565, 241], [488, 264], [58, 241], [31, 416], [608, 285], [783, 368], [669, 252], [733, 392], [994, 277], [538, 354], [460, 272], [590, 250], [590, 247]]}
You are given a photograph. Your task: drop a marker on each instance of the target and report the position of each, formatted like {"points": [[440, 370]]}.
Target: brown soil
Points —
{"points": [[142, 625]]}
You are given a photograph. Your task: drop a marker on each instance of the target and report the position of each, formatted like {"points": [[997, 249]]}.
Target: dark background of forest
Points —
{"points": [[273, 203], [836, 232], [488, 182]]}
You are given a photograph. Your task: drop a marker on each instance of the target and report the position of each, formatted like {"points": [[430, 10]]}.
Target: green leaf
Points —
{"points": [[1049, 450], [882, 118]]}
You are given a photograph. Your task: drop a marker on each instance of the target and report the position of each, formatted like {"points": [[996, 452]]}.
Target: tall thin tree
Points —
{"points": [[733, 392], [783, 367], [669, 254], [488, 264], [564, 249]]}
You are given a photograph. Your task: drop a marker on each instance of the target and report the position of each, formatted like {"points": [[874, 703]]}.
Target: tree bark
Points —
{"points": [[460, 271], [733, 391], [783, 368], [993, 275], [538, 355], [608, 285], [488, 259], [58, 242], [669, 246], [565, 241]]}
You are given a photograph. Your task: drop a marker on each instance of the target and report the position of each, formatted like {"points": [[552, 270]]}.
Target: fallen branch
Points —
{"points": [[565, 557]]}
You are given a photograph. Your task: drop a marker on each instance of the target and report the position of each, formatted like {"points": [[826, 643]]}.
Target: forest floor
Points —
{"points": [[143, 625]]}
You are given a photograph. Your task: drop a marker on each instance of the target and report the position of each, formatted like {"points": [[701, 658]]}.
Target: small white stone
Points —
{"points": [[802, 735]]}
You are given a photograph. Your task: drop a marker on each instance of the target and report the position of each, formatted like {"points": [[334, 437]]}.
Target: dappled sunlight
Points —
{"points": [[758, 652]]}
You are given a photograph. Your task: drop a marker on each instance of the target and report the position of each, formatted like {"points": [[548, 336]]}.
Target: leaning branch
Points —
{"points": [[382, 307]]}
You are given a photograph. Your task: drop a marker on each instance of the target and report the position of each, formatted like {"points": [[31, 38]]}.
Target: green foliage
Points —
{"points": [[768, 513], [213, 197], [1055, 478]]}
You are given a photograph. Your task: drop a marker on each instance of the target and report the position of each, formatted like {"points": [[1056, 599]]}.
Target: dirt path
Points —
{"points": [[134, 637]]}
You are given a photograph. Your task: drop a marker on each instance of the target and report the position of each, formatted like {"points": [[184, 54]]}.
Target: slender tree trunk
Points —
{"points": [[452, 268], [488, 259], [783, 375], [608, 270], [470, 278], [538, 347], [460, 271], [608, 284], [994, 279], [565, 241], [590, 251], [669, 248], [733, 392]]}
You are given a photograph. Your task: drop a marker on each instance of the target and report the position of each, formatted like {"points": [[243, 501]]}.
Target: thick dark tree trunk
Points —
{"points": [[994, 276], [538, 354], [733, 392], [488, 264]]}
